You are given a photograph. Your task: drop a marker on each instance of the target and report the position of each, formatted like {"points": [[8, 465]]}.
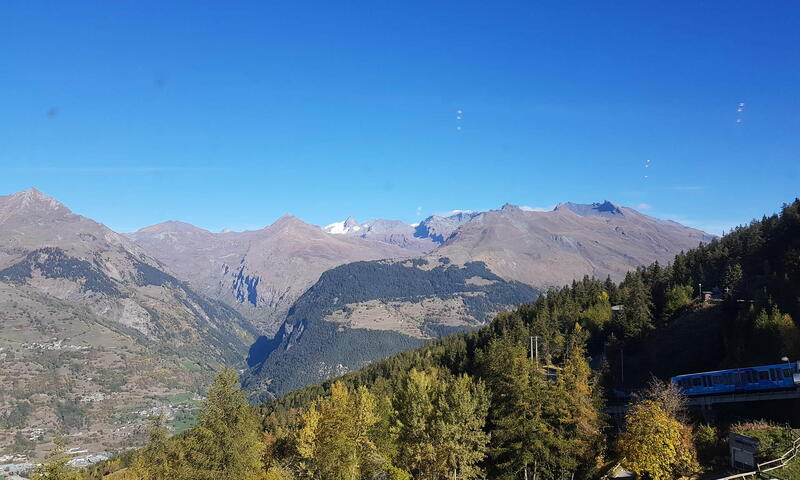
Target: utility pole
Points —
{"points": [[535, 348]]}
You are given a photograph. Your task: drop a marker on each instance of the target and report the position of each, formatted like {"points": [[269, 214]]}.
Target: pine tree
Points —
{"points": [[522, 439], [226, 442], [637, 313], [462, 416]]}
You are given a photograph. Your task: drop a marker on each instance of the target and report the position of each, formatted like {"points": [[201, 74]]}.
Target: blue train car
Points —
{"points": [[740, 380]]}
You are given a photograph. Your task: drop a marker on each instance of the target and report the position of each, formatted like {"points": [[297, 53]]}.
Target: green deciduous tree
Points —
{"points": [[678, 297]]}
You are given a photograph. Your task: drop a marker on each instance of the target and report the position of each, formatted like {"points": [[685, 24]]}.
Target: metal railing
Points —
{"points": [[769, 465]]}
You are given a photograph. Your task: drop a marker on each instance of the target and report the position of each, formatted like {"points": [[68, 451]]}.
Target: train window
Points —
{"points": [[707, 380], [696, 381], [763, 375], [729, 378], [716, 380], [787, 372]]}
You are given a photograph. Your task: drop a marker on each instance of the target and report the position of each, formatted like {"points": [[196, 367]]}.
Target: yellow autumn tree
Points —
{"points": [[656, 444], [577, 412], [278, 473], [598, 315], [334, 441]]}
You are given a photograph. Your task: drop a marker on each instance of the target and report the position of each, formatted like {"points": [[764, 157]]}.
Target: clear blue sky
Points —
{"points": [[231, 113]]}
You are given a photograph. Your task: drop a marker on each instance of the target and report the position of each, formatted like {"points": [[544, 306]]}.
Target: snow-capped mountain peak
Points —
{"points": [[343, 228]]}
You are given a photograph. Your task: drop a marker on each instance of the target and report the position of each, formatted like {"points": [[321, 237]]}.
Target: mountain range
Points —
{"points": [[259, 273], [96, 322]]}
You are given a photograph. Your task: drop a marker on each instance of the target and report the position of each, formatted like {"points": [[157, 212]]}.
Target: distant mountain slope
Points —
{"points": [[553, 248], [393, 232], [259, 273], [440, 227], [45, 246], [74, 288], [423, 237], [66, 370], [364, 311]]}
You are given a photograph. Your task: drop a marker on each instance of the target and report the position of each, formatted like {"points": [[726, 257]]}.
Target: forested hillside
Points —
{"points": [[364, 311], [477, 403]]}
